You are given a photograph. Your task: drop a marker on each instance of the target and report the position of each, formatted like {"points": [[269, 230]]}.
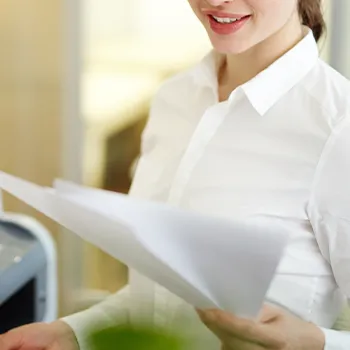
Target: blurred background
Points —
{"points": [[76, 81]]}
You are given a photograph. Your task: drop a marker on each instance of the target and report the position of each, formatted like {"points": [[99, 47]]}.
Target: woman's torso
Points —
{"points": [[253, 156]]}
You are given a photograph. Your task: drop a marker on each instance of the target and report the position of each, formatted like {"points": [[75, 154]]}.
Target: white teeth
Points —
{"points": [[225, 20]]}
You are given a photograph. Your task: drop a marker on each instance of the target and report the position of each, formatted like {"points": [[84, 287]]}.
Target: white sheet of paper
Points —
{"points": [[206, 261], [109, 235]]}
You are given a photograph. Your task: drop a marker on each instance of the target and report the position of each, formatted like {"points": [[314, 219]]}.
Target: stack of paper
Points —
{"points": [[206, 261]]}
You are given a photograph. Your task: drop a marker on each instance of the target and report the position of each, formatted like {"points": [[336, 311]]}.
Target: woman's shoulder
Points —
{"points": [[180, 82], [330, 89], [180, 85], [339, 85], [173, 100]]}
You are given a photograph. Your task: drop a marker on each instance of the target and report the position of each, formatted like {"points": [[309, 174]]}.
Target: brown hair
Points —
{"points": [[311, 14]]}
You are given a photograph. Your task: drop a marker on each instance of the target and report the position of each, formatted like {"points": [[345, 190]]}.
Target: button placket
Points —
{"points": [[206, 129]]}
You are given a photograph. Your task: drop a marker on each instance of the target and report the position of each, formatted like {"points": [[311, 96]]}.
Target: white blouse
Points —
{"points": [[279, 147]]}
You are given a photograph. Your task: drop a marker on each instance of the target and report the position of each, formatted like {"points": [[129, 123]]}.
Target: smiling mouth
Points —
{"points": [[226, 20]]}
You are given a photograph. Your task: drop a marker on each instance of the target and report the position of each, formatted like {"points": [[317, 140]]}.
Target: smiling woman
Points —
{"points": [[253, 21], [259, 128]]}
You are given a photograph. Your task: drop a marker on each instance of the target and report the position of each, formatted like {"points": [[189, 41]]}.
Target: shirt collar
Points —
{"points": [[265, 89]]}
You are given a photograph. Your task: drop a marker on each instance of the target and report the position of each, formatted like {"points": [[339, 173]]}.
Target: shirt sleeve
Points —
{"points": [[110, 312], [116, 308], [329, 213]]}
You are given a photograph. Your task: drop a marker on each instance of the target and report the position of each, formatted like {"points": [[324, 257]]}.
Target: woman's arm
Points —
{"points": [[336, 340], [340, 338], [329, 213], [116, 308], [110, 312]]}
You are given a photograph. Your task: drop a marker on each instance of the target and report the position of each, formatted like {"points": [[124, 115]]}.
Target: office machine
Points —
{"points": [[28, 277]]}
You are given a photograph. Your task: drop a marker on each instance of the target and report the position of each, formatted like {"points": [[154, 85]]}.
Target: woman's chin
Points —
{"points": [[232, 49], [228, 45]]}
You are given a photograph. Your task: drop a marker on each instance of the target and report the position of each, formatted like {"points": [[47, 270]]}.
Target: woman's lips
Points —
{"points": [[225, 24]]}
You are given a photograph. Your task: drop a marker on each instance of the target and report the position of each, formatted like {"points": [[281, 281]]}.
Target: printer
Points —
{"points": [[28, 276]]}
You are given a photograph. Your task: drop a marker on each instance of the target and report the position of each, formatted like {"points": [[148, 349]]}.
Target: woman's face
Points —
{"points": [[236, 26]]}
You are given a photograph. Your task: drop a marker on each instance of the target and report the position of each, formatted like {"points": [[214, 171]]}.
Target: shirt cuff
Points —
{"points": [[82, 326], [336, 340]]}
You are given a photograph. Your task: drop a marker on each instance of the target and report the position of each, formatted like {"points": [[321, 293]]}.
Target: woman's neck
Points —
{"points": [[238, 69]]}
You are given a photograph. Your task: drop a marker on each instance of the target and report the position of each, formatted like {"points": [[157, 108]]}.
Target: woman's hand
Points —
{"points": [[275, 329], [40, 336]]}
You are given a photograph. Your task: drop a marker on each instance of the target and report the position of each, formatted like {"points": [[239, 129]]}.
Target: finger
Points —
{"points": [[10, 341], [268, 313], [2, 342], [226, 325], [55, 346], [233, 342], [241, 345], [237, 344]]}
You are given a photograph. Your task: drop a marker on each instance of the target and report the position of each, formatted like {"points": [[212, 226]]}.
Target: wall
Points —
{"points": [[31, 94]]}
